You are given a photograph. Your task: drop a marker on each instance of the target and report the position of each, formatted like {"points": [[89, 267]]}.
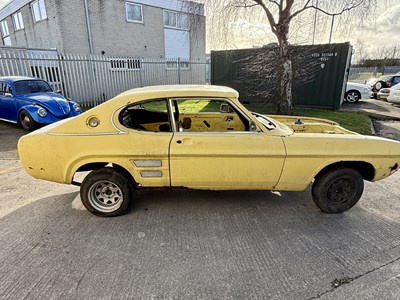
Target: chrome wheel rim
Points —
{"points": [[352, 97], [25, 120], [105, 196]]}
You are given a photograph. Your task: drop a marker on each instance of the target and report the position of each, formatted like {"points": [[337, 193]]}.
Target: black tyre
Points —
{"points": [[106, 192], [379, 85], [337, 190], [26, 121], [352, 96]]}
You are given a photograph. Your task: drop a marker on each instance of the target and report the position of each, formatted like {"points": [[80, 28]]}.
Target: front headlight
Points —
{"points": [[77, 107], [42, 112], [367, 90]]}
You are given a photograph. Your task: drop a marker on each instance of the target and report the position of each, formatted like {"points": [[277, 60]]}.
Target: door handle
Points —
{"points": [[179, 142]]}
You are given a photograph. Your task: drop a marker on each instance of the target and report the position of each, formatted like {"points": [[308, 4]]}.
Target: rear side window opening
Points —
{"points": [[150, 115]]}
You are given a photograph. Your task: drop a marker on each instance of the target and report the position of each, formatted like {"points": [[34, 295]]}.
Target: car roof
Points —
{"points": [[11, 79], [184, 90]]}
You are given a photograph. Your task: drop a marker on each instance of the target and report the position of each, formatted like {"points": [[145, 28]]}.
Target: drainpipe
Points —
{"points": [[88, 26], [92, 67]]}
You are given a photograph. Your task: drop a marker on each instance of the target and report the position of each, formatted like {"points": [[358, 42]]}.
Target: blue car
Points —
{"points": [[31, 103]]}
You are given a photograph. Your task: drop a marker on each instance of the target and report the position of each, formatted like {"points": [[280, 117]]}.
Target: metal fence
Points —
{"points": [[93, 79], [363, 74]]}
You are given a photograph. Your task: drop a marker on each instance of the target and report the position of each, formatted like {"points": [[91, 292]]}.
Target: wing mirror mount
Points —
{"points": [[253, 126], [225, 108]]}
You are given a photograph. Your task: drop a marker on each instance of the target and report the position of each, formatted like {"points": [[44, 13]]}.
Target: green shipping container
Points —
{"points": [[319, 74]]}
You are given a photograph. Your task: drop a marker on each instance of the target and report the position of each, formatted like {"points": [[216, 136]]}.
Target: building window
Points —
{"points": [[5, 34], [177, 46], [173, 19], [173, 64], [134, 12], [38, 10], [126, 64], [18, 22]]}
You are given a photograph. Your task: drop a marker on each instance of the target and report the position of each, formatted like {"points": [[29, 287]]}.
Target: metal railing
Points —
{"points": [[364, 74], [93, 79]]}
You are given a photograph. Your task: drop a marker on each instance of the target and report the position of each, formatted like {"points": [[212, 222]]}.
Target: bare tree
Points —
{"points": [[262, 65], [279, 14]]}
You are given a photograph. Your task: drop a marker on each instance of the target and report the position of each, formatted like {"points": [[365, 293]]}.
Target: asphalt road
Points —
{"points": [[183, 244], [388, 129]]}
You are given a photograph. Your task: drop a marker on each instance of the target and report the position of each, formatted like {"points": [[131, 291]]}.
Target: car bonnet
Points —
{"points": [[53, 102]]}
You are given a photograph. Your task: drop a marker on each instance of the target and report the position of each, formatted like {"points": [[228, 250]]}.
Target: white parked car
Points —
{"points": [[357, 91], [394, 95]]}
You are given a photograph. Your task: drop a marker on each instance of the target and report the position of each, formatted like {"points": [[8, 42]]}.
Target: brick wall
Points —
{"points": [[65, 29], [42, 34]]}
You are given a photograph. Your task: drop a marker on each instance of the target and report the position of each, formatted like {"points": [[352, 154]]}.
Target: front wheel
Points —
{"points": [[26, 121], [106, 192], [337, 190], [352, 96]]}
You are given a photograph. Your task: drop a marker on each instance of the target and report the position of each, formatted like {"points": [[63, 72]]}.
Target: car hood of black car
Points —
{"points": [[55, 103]]}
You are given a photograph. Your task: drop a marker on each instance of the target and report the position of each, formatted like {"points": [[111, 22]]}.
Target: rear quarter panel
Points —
{"points": [[64, 154]]}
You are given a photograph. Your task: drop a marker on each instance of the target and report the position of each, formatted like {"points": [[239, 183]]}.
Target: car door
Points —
{"points": [[147, 147], [8, 110], [229, 159]]}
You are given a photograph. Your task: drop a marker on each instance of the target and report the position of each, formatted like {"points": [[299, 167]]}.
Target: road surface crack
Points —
{"points": [[337, 282]]}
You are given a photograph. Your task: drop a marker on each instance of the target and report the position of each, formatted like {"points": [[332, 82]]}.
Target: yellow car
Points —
{"points": [[202, 137]]}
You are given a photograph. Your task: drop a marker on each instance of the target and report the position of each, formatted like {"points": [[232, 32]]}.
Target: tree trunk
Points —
{"points": [[282, 32], [284, 102]]}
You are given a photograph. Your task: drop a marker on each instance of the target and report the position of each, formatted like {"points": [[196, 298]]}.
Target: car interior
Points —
{"points": [[191, 115]]}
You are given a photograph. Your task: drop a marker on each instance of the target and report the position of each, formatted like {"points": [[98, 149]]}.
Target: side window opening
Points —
{"points": [[151, 115], [8, 89], [208, 115], [5, 88]]}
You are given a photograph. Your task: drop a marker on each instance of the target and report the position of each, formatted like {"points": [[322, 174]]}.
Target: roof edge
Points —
{"points": [[11, 7]]}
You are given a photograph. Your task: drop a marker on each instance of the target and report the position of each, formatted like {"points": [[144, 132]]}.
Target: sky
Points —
{"points": [[377, 33], [372, 37]]}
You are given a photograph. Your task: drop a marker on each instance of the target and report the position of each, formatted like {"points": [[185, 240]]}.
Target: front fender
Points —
{"points": [[33, 112], [73, 112]]}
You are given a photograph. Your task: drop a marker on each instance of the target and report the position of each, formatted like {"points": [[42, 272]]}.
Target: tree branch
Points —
{"points": [[344, 9], [270, 17], [245, 5], [276, 2]]}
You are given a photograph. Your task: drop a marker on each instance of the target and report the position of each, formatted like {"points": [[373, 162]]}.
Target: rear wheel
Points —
{"points": [[106, 192], [337, 190], [26, 121], [352, 96]]}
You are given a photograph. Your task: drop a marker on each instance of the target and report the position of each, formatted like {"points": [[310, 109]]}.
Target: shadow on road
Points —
{"points": [[10, 135], [387, 129]]}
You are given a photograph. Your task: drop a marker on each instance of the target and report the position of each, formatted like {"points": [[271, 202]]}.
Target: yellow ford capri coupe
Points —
{"points": [[202, 137]]}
